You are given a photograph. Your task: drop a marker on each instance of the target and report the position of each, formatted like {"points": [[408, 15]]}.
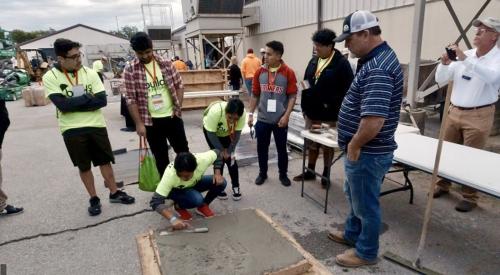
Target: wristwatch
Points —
{"points": [[173, 219]]}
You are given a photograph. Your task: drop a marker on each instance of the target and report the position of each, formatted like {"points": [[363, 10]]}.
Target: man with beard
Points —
{"points": [[154, 93]]}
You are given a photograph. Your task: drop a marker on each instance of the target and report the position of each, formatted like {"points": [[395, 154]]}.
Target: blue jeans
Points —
{"points": [[362, 190], [263, 132], [248, 84], [191, 197]]}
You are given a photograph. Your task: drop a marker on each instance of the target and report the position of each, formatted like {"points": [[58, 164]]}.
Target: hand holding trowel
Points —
{"points": [[188, 229]]}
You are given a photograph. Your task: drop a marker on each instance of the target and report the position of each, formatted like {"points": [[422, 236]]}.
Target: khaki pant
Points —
{"points": [[3, 196], [471, 128]]}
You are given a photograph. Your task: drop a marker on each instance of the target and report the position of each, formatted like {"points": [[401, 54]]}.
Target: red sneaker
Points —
{"points": [[184, 214], [205, 211]]}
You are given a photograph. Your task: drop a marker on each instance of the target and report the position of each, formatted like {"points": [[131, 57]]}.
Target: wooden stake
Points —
{"points": [[430, 198]]}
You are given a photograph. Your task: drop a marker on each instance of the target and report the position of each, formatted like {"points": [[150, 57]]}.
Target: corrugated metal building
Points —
{"points": [[294, 21]]}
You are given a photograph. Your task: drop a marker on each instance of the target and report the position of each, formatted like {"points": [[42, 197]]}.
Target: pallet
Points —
{"points": [[201, 80]]}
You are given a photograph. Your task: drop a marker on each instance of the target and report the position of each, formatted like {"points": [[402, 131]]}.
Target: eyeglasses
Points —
{"points": [[75, 56], [480, 31]]}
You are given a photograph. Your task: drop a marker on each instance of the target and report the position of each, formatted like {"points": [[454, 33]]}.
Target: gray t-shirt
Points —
{"points": [[273, 87]]}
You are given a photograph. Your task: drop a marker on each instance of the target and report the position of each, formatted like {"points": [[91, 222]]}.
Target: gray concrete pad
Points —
{"points": [[38, 175], [236, 243]]}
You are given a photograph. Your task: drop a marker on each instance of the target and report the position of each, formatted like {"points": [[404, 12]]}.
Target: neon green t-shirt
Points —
{"points": [[273, 70], [214, 119], [170, 179], [55, 82], [98, 66], [322, 63], [159, 99]]}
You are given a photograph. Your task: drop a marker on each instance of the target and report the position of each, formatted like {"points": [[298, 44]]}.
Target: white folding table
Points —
{"points": [[326, 138], [461, 164]]}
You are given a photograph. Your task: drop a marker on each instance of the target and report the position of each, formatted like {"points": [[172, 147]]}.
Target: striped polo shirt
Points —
{"points": [[376, 90]]}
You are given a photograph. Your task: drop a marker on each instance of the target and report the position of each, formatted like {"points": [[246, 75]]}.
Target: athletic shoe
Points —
{"points": [[11, 210], [222, 196], [95, 206], [121, 197], [236, 194], [205, 211]]}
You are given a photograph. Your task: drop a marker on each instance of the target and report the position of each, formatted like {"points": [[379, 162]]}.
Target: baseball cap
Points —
{"points": [[489, 22], [356, 22]]}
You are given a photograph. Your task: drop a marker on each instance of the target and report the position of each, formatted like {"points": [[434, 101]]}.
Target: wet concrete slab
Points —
{"points": [[237, 243]]}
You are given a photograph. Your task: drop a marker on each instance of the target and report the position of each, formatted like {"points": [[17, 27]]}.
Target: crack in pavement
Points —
{"points": [[75, 229]]}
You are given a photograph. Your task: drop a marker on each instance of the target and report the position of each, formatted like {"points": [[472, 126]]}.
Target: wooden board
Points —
{"points": [[201, 76], [148, 254], [196, 87]]}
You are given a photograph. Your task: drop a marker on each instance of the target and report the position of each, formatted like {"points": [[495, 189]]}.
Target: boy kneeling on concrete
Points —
{"points": [[184, 181]]}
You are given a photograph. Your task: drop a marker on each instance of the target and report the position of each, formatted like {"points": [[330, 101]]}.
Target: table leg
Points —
{"points": [[304, 153]]}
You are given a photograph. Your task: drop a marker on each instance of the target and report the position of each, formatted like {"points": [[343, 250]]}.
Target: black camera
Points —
{"points": [[452, 55]]}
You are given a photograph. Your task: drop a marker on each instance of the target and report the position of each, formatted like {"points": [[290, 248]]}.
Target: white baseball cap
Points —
{"points": [[356, 22], [489, 22]]}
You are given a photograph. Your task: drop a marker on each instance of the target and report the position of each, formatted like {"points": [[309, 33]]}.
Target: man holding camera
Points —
{"points": [[476, 82]]}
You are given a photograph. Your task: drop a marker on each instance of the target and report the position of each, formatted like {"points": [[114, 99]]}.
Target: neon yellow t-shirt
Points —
{"points": [[98, 66], [214, 119], [159, 99], [322, 63], [55, 82], [273, 70], [170, 179]]}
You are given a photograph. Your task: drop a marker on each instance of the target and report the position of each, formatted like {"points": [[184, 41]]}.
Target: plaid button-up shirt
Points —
{"points": [[137, 91]]}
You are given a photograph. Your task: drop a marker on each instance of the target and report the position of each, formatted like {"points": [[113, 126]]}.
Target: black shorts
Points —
{"points": [[90, 147]]}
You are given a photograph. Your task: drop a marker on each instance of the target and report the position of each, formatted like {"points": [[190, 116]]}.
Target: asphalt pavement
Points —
{"points": [[55, 235]]}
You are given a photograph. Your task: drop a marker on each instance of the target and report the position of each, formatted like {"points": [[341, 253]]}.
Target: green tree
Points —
{"points": [[126, 32], [20, 36]]}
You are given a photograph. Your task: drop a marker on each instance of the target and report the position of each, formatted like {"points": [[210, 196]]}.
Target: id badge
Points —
{"points": [[304, 85], [157, 101], [78, 90], [271, 105]]}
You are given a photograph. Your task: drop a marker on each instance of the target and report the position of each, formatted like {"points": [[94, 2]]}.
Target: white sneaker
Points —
{"points": [[236, 194]]}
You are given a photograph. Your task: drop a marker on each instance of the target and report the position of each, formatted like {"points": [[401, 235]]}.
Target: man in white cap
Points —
{"points": [[367, 121], [476, 82], [262, 55]]}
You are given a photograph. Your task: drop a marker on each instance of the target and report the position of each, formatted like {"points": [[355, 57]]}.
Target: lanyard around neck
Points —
{"points": [[271, 77], [231, 129], [320, 69], [153, 76], [69, 79]]}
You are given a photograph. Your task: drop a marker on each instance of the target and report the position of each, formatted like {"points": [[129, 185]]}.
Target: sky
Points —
{"points": [[31, 15]]}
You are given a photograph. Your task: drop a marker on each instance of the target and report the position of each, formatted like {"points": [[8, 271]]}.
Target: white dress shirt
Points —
{"points": [[476, 80]]}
